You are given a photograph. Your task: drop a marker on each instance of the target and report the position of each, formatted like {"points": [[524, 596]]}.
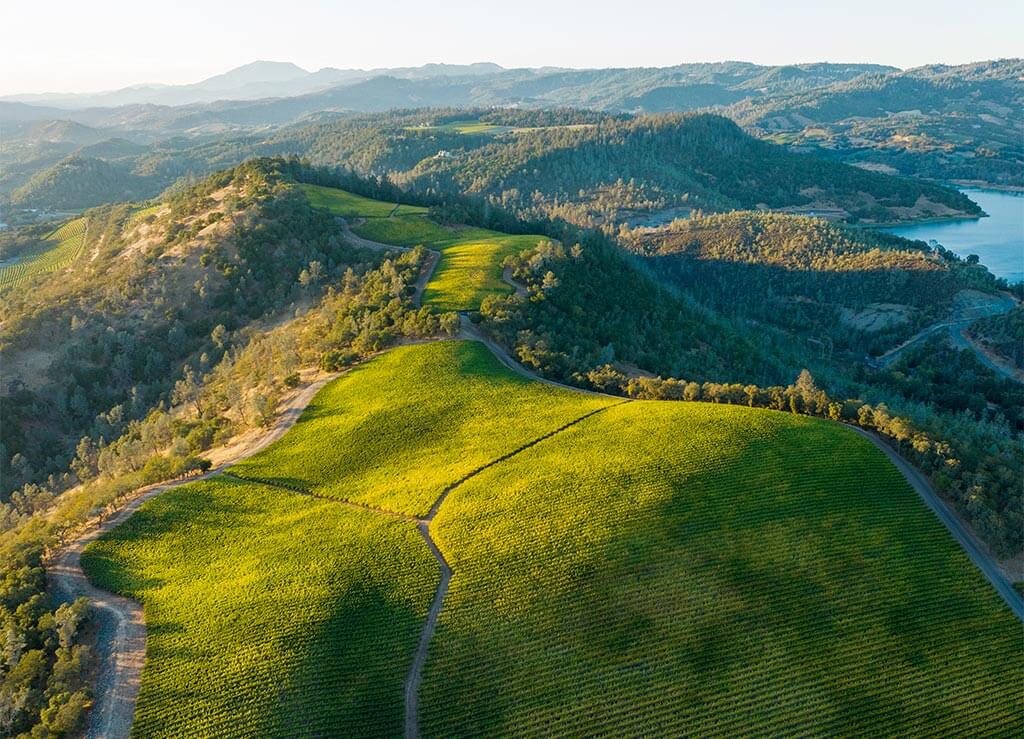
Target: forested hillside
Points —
{"points": [[598, 173], [159, 293], [79, 182], [864, 290], [592, 169]]}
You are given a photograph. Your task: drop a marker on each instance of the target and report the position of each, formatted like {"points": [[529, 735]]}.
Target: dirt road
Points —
{"points": [[121, 628], [425, 272]]}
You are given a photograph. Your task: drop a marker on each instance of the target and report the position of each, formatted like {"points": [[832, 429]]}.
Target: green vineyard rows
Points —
{"points": [[268, 613], [688, 569], [394, 432], [470, 266], [69, 242], [658, 568]]}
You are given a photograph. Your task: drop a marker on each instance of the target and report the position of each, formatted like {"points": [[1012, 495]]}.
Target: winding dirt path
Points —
{"points": [[121, 627], [425, 272], [415, 677]]}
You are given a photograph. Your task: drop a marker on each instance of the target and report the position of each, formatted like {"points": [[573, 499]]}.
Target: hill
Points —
{"points": [[150, 294], [864, 290], [79, 182], [607, 169], [664, 557]]}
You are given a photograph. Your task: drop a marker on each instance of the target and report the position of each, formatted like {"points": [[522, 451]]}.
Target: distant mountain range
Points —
{"points": [[938, 122], [254, 81]]}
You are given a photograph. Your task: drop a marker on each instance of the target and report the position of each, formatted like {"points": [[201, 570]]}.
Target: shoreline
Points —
{"points": [[920, 221], [981, 185]]}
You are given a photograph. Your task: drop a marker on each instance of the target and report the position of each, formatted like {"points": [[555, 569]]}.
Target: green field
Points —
{"points": [[689, 569], [470, 264], [467, 127], [659, 568], [267, 611], [349, 205], [394, 432], [66, 242]]}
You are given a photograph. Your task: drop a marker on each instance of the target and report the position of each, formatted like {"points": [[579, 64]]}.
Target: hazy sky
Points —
{"points": [[75, 46]]}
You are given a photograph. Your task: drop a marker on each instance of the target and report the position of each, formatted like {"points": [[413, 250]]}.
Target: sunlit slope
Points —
{"points": [[470, 264], [396, 431], [679, 569], [268, 613]]}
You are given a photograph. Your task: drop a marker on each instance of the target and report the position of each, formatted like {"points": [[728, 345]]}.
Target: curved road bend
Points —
{"points": [[121, 628], [964, 538], [426, 271]]}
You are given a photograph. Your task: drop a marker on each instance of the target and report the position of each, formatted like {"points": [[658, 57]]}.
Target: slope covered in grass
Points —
{"points": [[350, 205], [394, 432], [691, 569], [267, 611], [470, 266]]}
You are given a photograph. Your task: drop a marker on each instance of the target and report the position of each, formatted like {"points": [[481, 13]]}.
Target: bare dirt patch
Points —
{"points": [[875, 316]]}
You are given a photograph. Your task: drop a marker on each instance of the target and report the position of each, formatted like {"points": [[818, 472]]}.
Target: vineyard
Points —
{"points": [[268, 611], [394, 432], [470, 265], [689, 569], [69, 241], [658, 568]]}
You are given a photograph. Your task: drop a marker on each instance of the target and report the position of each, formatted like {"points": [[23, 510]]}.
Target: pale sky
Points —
{"points": [[76, 46]]}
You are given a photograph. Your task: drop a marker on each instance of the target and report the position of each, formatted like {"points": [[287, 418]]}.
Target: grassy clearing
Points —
{"points": [[468, 127], [690, 569], [394, 432], [470, 264], [68, 242], [349, 205], [267, 611]]}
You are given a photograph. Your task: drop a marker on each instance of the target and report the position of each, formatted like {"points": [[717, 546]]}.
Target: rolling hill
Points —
{"points": [[676, 557]]}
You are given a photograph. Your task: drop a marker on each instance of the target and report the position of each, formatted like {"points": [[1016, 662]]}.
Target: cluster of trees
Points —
{"points": [[44, 663], [588, 305], [1003, 334]]}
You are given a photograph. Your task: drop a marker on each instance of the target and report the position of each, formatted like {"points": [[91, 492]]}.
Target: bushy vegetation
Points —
{"points": [[396, 431], [44, 661], [267, 611], [687, 569], [1004, 335]]}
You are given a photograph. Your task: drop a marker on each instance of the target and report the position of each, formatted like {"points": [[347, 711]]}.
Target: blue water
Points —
{"points": [[998, 240]]}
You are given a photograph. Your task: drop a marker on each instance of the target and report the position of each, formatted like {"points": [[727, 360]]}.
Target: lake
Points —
{"points": [[998, 240]]}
